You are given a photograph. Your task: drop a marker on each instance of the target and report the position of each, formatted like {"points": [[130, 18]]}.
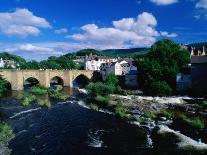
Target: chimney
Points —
{"points": [[203, 53]]}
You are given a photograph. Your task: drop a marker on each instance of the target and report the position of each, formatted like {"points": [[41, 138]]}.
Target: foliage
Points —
{"points": [[121, 111], [195, 121], [57, 93], [4, 85], [150, 114], [6, 134], [95, 89], [102, 100], [27, 99], [85, 52], [168, 113], [94, 107], [7, 56], [62, 62], [39, 90], [112, 80], [43, 103], [160, 88], [162, 63]]}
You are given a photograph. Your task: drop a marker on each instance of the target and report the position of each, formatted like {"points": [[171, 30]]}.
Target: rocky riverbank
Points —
{"points": [[184, 118]]}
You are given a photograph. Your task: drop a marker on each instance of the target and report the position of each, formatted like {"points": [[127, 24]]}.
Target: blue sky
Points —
{"points": [[36, 29]]}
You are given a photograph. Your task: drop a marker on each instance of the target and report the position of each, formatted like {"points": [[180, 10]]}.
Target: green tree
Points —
{"points": [[4, 85], [112, 80], [162, 63]]}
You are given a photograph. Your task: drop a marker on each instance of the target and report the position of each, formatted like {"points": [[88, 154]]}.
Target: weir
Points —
{"points": [[17, 78]]}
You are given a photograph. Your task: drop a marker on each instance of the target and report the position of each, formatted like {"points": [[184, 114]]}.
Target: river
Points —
{"points": [[69, 128]]}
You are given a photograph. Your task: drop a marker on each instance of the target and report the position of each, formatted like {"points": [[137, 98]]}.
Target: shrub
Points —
{"points": [[160, 88], [94, 107], [150, 114], [102, 100], [99, 88], [43, 103], [38, 90], [121, 111], [27, 99], [6, 134], [168, 113], [195, 122], [58, 94], [112, 80]]}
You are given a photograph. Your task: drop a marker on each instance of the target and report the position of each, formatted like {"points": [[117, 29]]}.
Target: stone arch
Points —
{"points": [[80, 80], [30, 82], [57, 80]]}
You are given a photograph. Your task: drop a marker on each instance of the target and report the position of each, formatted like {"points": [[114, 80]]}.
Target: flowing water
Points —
{"points": [[71, 128]]}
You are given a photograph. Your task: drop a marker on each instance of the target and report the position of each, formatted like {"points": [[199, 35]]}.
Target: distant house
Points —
{"points": [[8, 64], [122, 68], [94, 62]]}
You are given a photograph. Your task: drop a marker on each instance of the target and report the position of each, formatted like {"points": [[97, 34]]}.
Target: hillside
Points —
{"points": [[112, 52], [124, 52]]}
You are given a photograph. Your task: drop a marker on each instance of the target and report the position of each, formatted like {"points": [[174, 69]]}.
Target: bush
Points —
{"points": [[43, 103], [102, 100], [112, 80], [150, 114], [58, 94], [6, 134], [121, 111], [38, 90], [4, 85], [160, 88], [195, 122], [94, 107], [168, 113], [27, 99], [99, 88]]}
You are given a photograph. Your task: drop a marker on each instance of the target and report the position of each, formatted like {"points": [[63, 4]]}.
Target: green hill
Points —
{"points": [[125, 52], [111, 52]]}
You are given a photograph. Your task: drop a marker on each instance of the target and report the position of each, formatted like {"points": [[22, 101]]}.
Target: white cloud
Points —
{"points": [[164, 2], [125, 33], [166, 34], [201, 4], [22, 23], [60, 31]]}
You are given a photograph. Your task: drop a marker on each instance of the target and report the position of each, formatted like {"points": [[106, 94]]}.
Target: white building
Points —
{"points": [[94, 62], [128, 70], [7, 64]]}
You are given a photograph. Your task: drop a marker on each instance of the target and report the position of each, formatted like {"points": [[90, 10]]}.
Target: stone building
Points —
{"points": [[94, 62], [199, 71], [125, 69], [8, 64]]}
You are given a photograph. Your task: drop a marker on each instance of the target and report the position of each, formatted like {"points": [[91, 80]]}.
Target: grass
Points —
{"points": [[102, 100], [150, 114], [38, 90], [94, 107], [6, 134], [121, 111], [196, 122], [168, 113], [27, 99]]}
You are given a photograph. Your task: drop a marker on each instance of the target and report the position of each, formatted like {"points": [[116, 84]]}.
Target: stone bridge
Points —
{"points": [[17, 78]]}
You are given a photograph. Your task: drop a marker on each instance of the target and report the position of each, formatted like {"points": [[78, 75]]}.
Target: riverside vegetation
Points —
{"points": [[31, 96]]}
